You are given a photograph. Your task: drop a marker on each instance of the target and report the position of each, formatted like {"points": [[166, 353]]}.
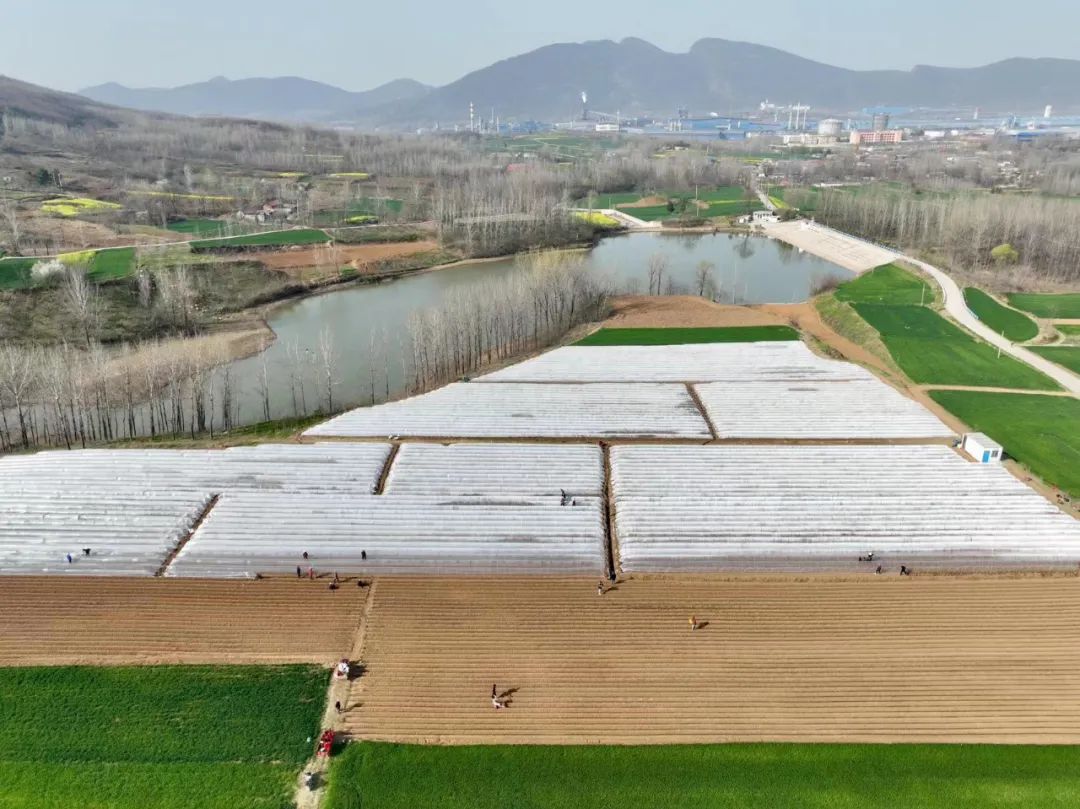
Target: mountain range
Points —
{"points": [[287, 98], [632, 77]]}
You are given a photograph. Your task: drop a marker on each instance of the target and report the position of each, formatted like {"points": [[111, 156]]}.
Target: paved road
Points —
{"points": [[958, 310], [837, 246]]}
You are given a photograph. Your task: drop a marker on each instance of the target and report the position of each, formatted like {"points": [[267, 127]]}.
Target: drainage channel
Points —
{"points": [[187, 536], [380, 487], [610, 540]]}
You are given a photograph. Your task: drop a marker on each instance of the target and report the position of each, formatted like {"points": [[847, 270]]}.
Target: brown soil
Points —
{"points": [[644, 202], [806, 318], [644, 311], [873, 660], [355, 255], [69, 621]]}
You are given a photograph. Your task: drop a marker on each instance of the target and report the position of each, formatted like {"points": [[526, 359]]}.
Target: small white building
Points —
{"points": [[982, 448]]}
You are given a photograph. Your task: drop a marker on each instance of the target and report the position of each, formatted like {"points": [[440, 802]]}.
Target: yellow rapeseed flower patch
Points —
{"points": [[81, 257], [73, 206], [170, 195], [600, 220], [351, 175]]}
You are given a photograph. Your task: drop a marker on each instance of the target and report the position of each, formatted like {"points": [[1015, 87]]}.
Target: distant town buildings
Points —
{"points": [[861, 137]]}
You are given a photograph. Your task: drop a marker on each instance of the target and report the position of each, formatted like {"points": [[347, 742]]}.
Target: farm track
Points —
{"points": [[884, 660], [86, 621]]}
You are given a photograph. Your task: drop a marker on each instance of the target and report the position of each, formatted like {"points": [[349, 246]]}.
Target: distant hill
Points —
{"points": [[632, 77], [31, 101], [716, 75], [287, 98]]}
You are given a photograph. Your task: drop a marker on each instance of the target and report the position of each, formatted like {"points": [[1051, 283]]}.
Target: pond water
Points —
{"points": [[369, 323]]}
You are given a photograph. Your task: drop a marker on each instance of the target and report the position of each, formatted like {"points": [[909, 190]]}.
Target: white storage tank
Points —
{"points": [[830, 127], [982, 448]]}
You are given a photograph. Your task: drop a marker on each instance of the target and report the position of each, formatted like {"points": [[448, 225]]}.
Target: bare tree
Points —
{"points": [[703, 278], [328, 357], [176, 298], [82, 302], [9, 216], [658, 265]]}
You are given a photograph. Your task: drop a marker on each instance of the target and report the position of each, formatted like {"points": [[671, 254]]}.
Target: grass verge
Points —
{"points": [[263, 432], [668, 337], [1013, 325], [162, 736], [1065, 356], [1064, 307], [1039, 431], [828, 776]]}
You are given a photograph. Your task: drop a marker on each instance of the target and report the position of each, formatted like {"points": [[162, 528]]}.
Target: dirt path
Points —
{"points": [[805, 317], [98, 621], [876, 660], [338, 691], [1064, 393]]}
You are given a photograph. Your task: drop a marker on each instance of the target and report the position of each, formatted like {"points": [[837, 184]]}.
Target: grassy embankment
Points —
{"points": [[667, 337], [1040, 432], [264, 432], [203, 737], [829, 776], [929, 349], [1013, 325]]}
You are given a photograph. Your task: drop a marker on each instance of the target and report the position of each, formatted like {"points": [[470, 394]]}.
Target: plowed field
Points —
{"points": [[885, 660], [68, 621]]}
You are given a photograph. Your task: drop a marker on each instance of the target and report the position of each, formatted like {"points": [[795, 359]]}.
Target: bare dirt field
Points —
{"points": [[78, 234], [684, 311], [70, 621], [355, 255], [921, 659]]}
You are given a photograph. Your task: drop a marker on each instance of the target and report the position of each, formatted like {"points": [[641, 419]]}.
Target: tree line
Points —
{"points": [[965, 228], [479, 327]]}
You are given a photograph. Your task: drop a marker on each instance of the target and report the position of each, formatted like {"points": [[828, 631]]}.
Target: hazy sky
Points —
{"points": [[358, 44]]}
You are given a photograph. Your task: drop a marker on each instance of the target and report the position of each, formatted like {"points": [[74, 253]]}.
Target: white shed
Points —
{"points": [[982, 448]]}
